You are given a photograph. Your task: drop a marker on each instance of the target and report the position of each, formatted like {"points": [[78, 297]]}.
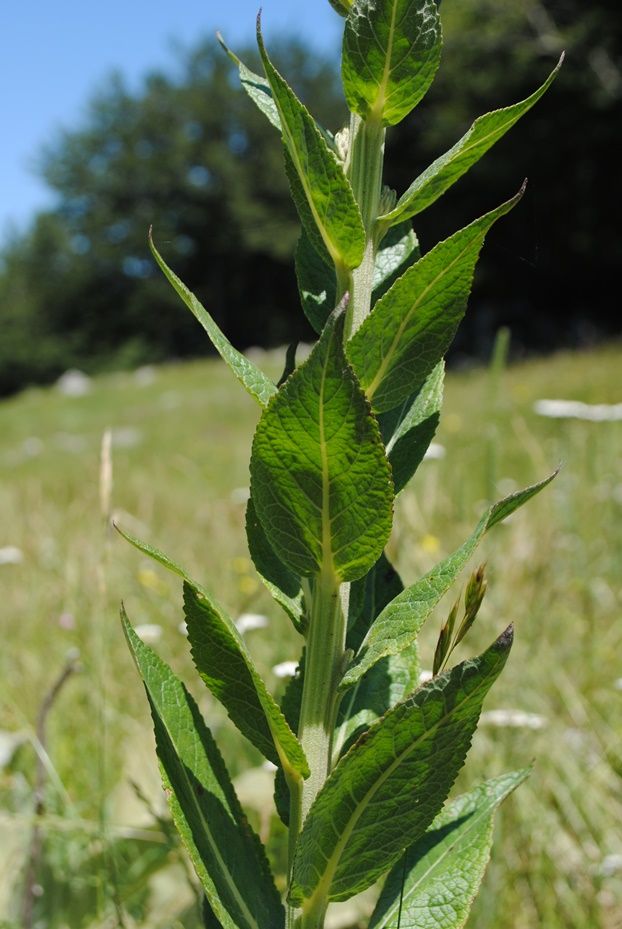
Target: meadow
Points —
{"points": [[180, 439]]}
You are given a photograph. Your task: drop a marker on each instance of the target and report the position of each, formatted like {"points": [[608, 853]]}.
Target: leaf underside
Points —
{"points": [[283, 584], [409, 429], [434, 884]]}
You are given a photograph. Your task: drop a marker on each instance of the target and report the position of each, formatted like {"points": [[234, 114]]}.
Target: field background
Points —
{"points": [[180, 444]]}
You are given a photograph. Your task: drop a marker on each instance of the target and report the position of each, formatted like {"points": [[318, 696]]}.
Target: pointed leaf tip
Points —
{"points": [[252, 378], [321, 191], [506, 639], [395, 779], [485, 131]]}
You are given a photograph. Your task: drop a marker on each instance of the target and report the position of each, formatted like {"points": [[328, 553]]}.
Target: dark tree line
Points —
{"points": [[191, 155]]}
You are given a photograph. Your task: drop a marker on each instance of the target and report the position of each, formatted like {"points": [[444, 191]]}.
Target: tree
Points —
{"points": [[80, 285], [214, 190], [558, 253]]}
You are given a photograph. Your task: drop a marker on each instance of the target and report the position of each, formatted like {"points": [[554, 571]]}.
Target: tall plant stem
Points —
{"points": [[365, 162], [323, 669]]}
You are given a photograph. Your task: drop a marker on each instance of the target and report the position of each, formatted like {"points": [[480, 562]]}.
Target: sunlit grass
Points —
{"points": [[180, 465]]}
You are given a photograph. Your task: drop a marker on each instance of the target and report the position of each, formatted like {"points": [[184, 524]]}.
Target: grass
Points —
{"points": [[180, 451]]}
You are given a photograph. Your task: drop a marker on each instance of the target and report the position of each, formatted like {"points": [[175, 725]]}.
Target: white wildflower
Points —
{"points": [[249, 621], [513, 719], [285, 668], [74, 383], [11, 554], [434, 452], [148, 632], [575, 409]]}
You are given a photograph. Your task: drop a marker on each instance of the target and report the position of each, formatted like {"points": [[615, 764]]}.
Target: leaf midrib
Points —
{"points": [[327, 549], [475, 820], [206, 829], [461, 556], [323, 886], [458, 150], [381, 96], [302, 176], [375, 383]]}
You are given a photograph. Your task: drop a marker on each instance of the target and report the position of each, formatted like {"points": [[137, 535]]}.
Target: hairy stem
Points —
{"points": [[365, 163], [323, 668]]}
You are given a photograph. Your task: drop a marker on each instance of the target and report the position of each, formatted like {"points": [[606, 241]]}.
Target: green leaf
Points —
{"points": [[255, 381], [390, 681], [291, 703], [250, 706], [412, 430], [341, 6], [225, 666], [387, 790], [373, 592], [434, 885], [447, 169], [327, 191], [257, 87], [227, 855], [320, 480], [315, 272], [391, 51], [317, 283], [290, 363], [157, 555], [282, 583], [398, 250], [399, 623], [413, 325]]}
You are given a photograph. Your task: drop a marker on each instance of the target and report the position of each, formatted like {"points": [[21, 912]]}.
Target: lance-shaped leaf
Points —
{"points": [[255, 381], [408, 430], [386, 791], [327, 191], [227, 855], [399, 623], [251, 707], [320, 480], [223, 662], [257, 87], [260, 92], [415, 322], [435, 883], [389, 682], [282, 583], [446, 170], [158, 556], [391, 51]]}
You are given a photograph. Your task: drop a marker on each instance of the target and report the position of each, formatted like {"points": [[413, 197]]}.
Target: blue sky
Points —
{"points": [[53, 55]]}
